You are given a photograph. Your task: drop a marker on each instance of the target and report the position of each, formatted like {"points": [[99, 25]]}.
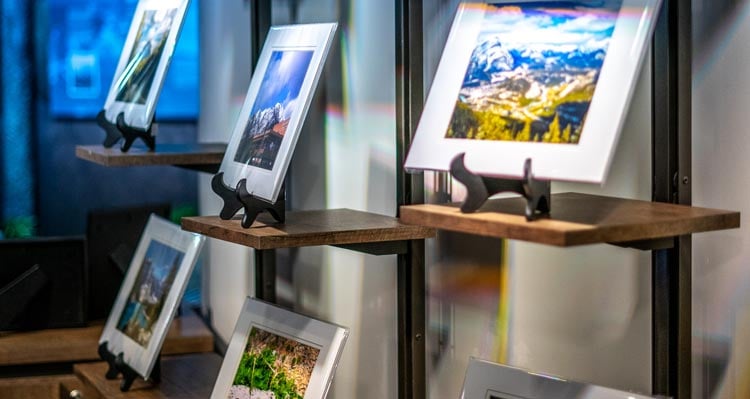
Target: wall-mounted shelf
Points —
{"points": [[361, 231], [187, 334], [577, 219], [184, 377], [204, 157]]}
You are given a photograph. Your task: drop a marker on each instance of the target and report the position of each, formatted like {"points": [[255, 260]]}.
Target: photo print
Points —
{"points": [[273, 367], [134, 84], [545, 81], [145, 301], [533, 71], [274, 106]]}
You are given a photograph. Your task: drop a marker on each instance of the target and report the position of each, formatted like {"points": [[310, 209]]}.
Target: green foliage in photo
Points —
{"points": [[256, 371]]}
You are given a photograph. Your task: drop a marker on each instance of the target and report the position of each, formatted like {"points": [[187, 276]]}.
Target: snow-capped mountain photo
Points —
{"points": [[273, 108], [533, 71]]}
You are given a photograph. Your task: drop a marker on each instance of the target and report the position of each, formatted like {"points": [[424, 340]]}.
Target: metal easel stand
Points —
{"points": [[480, 188], [120, 130]]}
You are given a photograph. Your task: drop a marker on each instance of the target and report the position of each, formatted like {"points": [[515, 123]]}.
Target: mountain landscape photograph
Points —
{"points": [[273, 108], [138, 76], [150, 289], [533, 71]]}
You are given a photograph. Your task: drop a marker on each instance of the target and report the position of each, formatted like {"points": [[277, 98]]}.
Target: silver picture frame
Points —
{"points": [[487, 380], [151, 293], [281, 89], [286, 343], [144, 61]]}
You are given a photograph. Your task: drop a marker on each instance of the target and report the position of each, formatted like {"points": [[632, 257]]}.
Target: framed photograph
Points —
{"points": [[275, 353], [151, 293], [549, 81], [277, 101], [144, 61], [485, 380]]}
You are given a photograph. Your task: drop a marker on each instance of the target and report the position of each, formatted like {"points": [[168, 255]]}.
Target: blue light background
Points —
{"points": [[16, 174], [85, 41]]}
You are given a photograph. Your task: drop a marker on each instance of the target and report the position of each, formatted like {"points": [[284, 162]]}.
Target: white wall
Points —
{"points": [[585, 313], [225, 76]]}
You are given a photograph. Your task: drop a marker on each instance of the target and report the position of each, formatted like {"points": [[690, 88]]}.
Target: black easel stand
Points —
{"points": [[117, 366], [238, 198], [480, 188], [114, 132]]}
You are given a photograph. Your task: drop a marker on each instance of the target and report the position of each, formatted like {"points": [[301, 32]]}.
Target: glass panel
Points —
{"points": [[346, 158], [721, 298], [581, 313]]}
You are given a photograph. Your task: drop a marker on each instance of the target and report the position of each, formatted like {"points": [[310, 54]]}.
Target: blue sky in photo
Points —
{"points": [[162, 257], [565, 25], [283, 79]]}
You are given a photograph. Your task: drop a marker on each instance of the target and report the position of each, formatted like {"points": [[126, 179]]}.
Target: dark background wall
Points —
{"points": [[68, 188]]}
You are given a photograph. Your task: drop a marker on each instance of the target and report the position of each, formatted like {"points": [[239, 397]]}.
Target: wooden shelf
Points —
{"points": [[200, 156], [339, 227], [183, 377], [51, 386], [576, 219], [187, 334]]}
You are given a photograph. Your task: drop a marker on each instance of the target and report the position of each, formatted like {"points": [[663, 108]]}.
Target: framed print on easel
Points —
{"points": [[277, 101], [134, 93], [275, 353], [543, 81], [148, 299]]}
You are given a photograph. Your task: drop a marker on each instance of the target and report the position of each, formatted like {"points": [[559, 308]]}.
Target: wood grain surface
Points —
{"points": [[183, 377], [44, 387], [187, 334], [576, 219], [309, 228], [165, 154]]}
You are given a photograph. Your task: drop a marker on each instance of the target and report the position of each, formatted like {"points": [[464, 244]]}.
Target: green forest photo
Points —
{"points": [[273, 367]]}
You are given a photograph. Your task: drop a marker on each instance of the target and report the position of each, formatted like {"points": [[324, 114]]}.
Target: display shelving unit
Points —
{"points": [[663, 226], [359, 231]]}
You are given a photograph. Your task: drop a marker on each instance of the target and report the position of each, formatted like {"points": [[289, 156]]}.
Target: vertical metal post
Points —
{"points": [[671, 284], [260, 22], [265, 275], [410, 190]]}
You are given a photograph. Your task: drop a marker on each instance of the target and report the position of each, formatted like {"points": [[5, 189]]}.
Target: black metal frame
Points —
{"points": [[671, 151], [671, 162], [410, 190]]}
